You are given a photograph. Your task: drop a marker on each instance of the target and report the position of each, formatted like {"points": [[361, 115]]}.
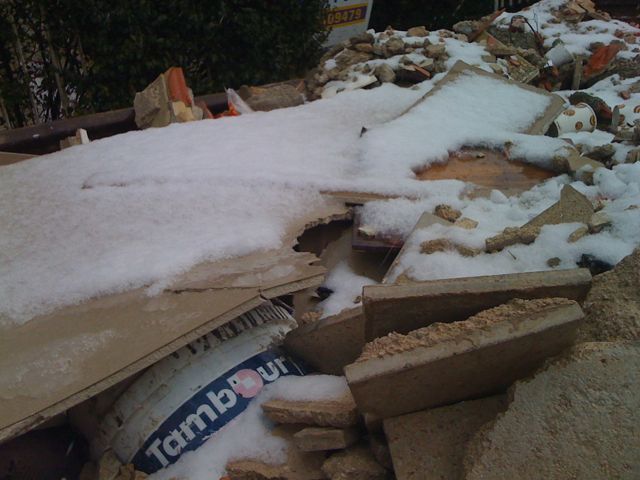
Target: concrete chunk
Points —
{"points": [[402, 308], [447, 363], [330, 343], [315, 439], [355, 463], [572, 207], [432, 443], [326, 413]]}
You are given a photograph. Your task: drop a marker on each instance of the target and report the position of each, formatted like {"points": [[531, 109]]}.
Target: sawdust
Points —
{"points": [[513, 312]]}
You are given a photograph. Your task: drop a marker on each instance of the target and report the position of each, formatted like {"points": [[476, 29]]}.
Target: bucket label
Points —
{"points": [[212, 407]]}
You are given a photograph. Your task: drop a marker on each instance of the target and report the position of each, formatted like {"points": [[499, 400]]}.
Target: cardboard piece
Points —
{"points": [[96, 344]]}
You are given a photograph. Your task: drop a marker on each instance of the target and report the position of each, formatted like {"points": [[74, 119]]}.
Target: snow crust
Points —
{"points": [[248, 435]]}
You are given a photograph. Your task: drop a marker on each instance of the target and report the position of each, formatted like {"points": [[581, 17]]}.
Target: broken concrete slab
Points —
{"points": [[314, 439], [447, 363], [573, 207], [355, 463], [577, 418], [402, 308], [322, 413], [432, 443], [582, 168], [329, 343], [612, 307]]}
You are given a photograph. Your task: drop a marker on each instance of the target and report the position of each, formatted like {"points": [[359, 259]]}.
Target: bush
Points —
{"points": [[109, 49]]}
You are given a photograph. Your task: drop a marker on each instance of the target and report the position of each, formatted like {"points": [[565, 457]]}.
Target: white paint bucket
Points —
{"points": [[185, 398], [576, 118], [346, 19]]}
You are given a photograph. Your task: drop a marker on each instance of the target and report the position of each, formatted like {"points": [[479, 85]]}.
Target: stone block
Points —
{"points": [[447, 363], [330, 343], [402, 308]]}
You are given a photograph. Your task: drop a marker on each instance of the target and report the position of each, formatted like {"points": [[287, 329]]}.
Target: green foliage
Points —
{"points": [[109, 49]]}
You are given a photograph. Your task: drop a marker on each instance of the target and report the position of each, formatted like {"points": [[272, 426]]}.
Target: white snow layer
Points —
{"points": [[347, 287], [247, 436]]}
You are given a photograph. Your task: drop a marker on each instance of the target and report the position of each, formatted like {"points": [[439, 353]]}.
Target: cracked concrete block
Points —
{"points": [[323, 413], [314, 439], [445, 363], [577, 418], [431, 444], [402, 308], [330, 343]]}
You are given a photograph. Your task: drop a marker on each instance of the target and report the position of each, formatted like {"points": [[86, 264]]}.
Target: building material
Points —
{"points": [[447, 363], [355, 463], [314, 439], [340, 413], [431, 444], [330, 343], [572, 207], [402, 308]]}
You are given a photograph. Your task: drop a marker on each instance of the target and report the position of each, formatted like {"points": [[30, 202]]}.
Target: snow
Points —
{"points": [[347, 287], [247, 436], [472, 110]]}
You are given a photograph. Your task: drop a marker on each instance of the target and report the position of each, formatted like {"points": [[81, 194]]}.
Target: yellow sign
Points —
{"points": [[344, 16]]}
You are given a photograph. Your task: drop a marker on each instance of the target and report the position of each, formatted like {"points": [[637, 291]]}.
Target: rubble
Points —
{"points": [[433, 442], [576, 418], [403, 308], [447, 363], [265, 99], [355, 463], [511, 236], [442, 245], [572, 207], [447, 213], [338, 414], [314, 439]]}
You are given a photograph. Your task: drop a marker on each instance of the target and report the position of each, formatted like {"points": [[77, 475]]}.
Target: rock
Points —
{"points": [[633, 156], [384, 73], [603, 153], [271, 98], [573, 207], [435, 441], [325, 413], [363, 47], [393, 46], [577, 418], [512, 236], [446, 363], [364, 37], [152, 105], [553, 262], [578, 233], [403, 308], [417, 32], [599, 221], [612, 306], [314, 439], [467, 27], [444, 244], [435, 51], [466, 223], [447, 212], [347, 57], [355, 463]]}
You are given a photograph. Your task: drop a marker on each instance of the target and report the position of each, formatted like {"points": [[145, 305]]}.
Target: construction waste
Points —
{"points": [[480, 332]]}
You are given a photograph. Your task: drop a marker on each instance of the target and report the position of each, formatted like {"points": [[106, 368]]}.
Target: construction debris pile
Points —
{"points": [[462, 301]]}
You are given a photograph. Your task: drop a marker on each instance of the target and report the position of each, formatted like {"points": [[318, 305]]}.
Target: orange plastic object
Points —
{"points": [[177, 86], [601, 59]]}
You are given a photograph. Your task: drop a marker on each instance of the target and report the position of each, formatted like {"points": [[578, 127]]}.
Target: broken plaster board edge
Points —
{"points": [[543, 320], [28, 423]]}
